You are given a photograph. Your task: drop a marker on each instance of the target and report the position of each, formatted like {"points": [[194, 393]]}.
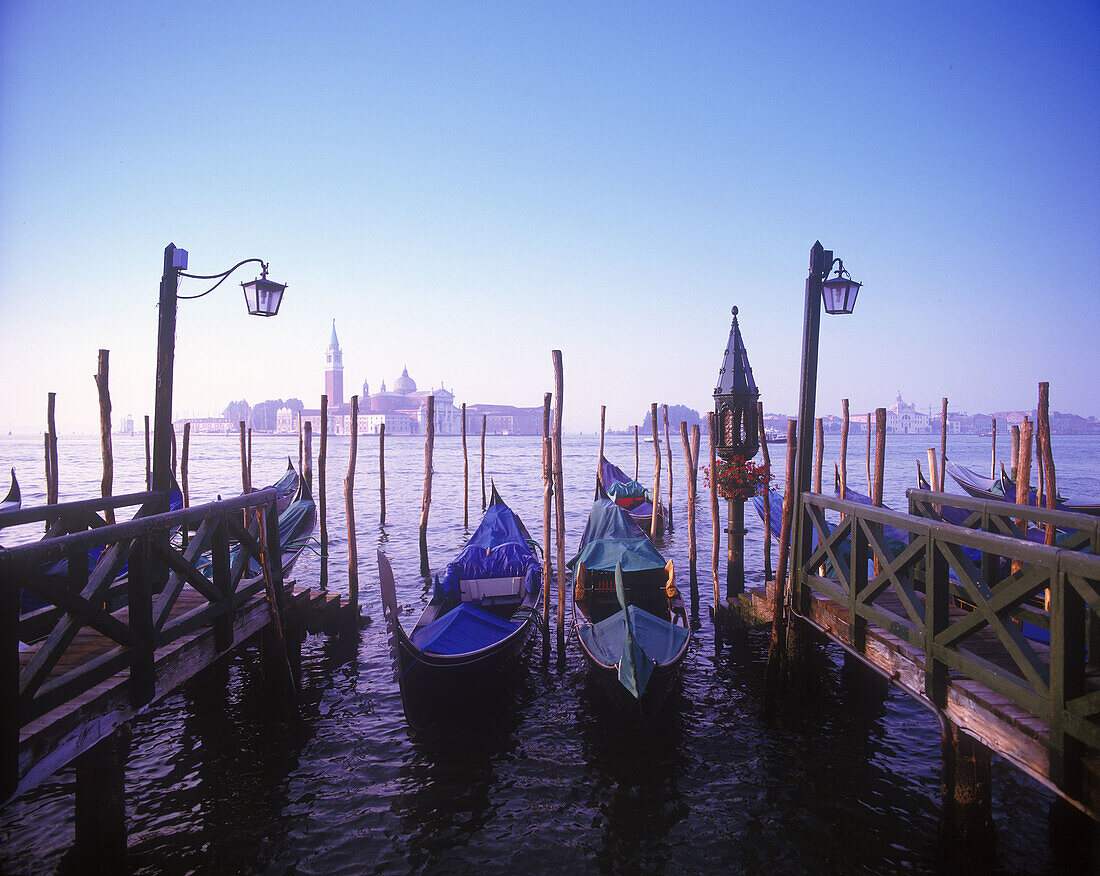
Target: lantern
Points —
{"points": [[839, 293], [263, 296]]}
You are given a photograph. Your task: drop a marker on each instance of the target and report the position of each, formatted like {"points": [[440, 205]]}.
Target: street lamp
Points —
{"points": [[263, 298], [839, 294]]}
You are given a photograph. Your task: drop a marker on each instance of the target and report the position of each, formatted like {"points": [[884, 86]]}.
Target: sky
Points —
{"points": [[465, 187]]}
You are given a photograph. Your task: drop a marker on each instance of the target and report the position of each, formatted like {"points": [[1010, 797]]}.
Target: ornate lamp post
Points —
{"points": [[263, 298], [839, 294], [735, 417]]}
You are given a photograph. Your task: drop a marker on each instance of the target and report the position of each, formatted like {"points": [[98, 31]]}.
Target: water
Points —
{"points": [[547, 779]]}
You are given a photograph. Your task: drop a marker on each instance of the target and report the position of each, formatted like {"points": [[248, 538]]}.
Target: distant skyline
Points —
{"points": [[467, 186]]}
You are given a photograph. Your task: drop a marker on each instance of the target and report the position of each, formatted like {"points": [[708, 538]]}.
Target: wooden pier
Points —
{"points": [[128, 616], [944, 620]]}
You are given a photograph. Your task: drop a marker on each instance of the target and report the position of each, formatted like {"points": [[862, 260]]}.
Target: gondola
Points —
{"points": [[628, 615], [1003, 488], [631, 496], [286, 488], [481, 615], [14, 499]]}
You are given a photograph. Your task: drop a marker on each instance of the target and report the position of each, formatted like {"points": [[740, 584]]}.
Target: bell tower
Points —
{"points": [[334, 370]]}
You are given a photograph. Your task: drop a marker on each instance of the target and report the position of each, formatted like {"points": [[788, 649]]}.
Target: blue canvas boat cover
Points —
{"points": [[463, 630], [627, 493], [611, 537], [659, 639], [497, 549]]}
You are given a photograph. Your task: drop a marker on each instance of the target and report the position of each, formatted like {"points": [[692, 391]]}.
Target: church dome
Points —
{"points": [[404, 384]]}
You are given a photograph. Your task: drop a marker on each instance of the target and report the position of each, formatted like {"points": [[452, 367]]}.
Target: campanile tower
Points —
{"points": [[334, 371]]}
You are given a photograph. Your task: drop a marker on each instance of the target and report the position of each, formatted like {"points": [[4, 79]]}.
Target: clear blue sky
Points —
{"points": [[466, 186]]}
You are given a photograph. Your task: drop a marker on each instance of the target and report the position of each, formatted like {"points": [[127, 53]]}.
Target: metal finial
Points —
{"points": [[734, 311]]}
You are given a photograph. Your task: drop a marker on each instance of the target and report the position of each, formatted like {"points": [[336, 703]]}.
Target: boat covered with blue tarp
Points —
{"points": [[632, 496]]}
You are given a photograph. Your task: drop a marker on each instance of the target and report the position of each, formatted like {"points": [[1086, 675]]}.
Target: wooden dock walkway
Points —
{"points": [[75, 670], [943, 619]]}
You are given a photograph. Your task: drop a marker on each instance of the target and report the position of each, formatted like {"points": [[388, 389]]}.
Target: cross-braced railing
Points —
{"points": [[951, 592], [124, 582]]}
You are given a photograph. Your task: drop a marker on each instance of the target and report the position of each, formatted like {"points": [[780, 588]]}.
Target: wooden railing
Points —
{"points": [[929, 569], [124, 582]]}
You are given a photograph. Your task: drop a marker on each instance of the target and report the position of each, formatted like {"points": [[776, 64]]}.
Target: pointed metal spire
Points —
{"points": [[735, 375], [332, 341]]}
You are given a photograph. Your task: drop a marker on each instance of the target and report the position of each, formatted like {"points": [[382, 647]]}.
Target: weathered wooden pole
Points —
{"points": [[656, 516], [716, 526], [777, 647], [322, 498], [1015, 452], [668, 451], [465, 475], [349, 514], [599, 462], [52, 482], [382, 472], [819, 452], [184, 467], [691, 464], [880, 467], [484, 503], [559, 497], [934, 470], [547, 499], [246, 486], [301, 445], [993, 460], [636, 452], [148, 458], [868, 453], [943, 446], [1043, 417], [767, 490], [308, 473], [102, 384], [100, 804], [1023, 479], [1040, 496], [966, 816], [172, 432], [426, 504], [845, 424]]}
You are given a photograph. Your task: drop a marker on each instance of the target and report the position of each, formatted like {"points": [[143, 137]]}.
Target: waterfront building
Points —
{"points": [[905, 418]]}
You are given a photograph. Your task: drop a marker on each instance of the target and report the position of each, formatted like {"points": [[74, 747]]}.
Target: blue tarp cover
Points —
{"points": [[611, 537], [497, 549], [659, 639], [463, 630], [626, 492]]}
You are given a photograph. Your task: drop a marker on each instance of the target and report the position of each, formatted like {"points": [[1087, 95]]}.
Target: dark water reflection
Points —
{"points": [[840, 777]]}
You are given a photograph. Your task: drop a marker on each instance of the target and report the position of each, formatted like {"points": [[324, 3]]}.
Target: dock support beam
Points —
{"points": [[966, 815], [101, 805]]}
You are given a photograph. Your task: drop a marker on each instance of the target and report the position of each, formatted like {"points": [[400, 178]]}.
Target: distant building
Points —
{"points": [[904, 418]]}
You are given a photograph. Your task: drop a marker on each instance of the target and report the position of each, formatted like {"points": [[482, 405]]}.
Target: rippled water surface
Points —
{"points": [[544, 777]]}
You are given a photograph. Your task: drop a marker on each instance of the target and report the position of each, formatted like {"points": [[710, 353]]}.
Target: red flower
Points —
{"points": [[739, 478]]}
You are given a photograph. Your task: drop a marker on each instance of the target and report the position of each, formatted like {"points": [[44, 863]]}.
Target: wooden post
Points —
{"points": [[599, 462], [934, 470], [308, 473], [966, 816], [465, 475], [322, 498], [349, 514], [101, 382], [559, 497], [943, 446], [819, 452], [844, 426], [778, 644], [653, 530], [868, 453], [880, 465], [691, 464], [993, 460], [246, 487], [249, 456], [382, 472], [767, 489], [172, 434], [668, 451], [1040, 496], [1023, 479], [484, 504], [426, 504], [1015, 452], [184, 467], [148, 458], [1042, 416], [51, 450], [100, 810], [547, 498], [636, 453], [716, 522], [301, 448]]}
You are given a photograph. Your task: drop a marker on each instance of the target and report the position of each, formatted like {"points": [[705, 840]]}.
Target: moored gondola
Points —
{"points": [[632, 497]]}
